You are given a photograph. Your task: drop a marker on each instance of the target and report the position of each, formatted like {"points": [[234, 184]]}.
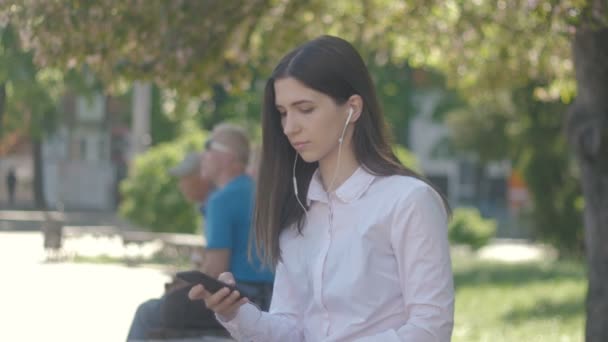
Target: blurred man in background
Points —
{"points": [[148, 320], [228, 211]]}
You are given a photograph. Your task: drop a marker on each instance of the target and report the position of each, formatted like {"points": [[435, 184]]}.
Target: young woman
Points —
{"points": [[358, 241]]}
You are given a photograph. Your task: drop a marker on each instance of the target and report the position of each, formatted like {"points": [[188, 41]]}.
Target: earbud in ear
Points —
{"points": [[350, 114]]}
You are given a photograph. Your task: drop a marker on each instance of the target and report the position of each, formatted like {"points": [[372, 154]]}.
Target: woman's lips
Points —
{"points": [[299, 145]]}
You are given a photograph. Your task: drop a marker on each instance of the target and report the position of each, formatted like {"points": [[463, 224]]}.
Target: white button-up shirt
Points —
{"points": [[372, 264]]}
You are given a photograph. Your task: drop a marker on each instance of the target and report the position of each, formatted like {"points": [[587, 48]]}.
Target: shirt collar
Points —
{"points": [[353, 188]]}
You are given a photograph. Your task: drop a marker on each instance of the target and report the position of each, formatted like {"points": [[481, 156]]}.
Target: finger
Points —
{"points": [[217, 298], [227, 278], [229, 302], [198, 292]]}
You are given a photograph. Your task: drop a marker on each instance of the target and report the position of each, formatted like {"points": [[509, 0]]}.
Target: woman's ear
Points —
{"points": [[355, 102]]}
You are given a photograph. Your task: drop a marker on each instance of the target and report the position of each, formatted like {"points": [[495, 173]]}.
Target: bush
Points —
{"points": [[469, 228], [151, 197]]}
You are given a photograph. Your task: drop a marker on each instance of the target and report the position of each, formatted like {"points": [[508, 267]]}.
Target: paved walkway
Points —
{"points": [[67, 302], [507, 250]]}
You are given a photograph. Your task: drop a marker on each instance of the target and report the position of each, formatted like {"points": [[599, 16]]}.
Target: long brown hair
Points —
{"points": [[331, 66]]}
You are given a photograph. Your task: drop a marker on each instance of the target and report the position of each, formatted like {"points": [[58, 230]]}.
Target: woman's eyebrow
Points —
{"points": [[295, 103]]}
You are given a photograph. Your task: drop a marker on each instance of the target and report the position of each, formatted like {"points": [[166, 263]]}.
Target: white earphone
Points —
{"points": [[350, 114]]}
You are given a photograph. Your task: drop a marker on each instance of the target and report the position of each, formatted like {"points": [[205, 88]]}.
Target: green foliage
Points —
{"points": [[162, 128], [176, 44], [238, 105], [482, 129], [469, 228], [395, 91], [482, 46], [406, 157], [528, 131], [151, 197], [28, 105], [549, 171]]}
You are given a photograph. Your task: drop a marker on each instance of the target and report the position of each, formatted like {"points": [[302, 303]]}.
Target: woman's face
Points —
{"points": [[311, 120]]}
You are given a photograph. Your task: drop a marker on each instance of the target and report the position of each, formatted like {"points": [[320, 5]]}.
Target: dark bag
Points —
{"points": [[183, 317], [182, 314]]}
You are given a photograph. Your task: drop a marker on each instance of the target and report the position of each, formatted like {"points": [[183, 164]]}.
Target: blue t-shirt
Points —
{"points": [[228, 214]]}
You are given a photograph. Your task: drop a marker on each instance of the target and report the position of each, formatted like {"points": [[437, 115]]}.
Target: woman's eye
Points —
{"points": [[307, 110]]}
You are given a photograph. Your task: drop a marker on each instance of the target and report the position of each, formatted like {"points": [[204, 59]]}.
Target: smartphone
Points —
{"points": [[211, 284]]}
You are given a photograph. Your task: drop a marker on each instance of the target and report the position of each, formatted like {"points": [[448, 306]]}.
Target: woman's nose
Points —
{"points": [[290, 125]]}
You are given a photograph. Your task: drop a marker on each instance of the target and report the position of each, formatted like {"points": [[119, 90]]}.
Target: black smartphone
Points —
{"points": [[211, 284]]}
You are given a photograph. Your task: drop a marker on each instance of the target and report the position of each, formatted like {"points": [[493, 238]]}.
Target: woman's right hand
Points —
{"points": [[223, 302]]}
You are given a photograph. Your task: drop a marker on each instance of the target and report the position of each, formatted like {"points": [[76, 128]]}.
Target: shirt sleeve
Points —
{"points": [[280, 324], [219, 227], [419, 240]]}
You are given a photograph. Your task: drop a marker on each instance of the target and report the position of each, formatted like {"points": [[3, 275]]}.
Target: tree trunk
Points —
{"points": [[38, 188], [588, 134]]}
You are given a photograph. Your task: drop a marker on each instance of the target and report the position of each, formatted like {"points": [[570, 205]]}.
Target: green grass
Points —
{"points": [[529, 302]]}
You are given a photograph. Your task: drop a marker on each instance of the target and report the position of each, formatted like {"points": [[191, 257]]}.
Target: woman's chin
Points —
{"points": [[309, 157]]}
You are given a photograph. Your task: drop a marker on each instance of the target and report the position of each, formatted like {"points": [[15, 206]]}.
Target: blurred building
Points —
{"points": [[460, 176], [84, 160]]}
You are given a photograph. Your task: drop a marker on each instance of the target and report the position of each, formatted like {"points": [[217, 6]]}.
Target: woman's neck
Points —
{"points": [[334, 174]]}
